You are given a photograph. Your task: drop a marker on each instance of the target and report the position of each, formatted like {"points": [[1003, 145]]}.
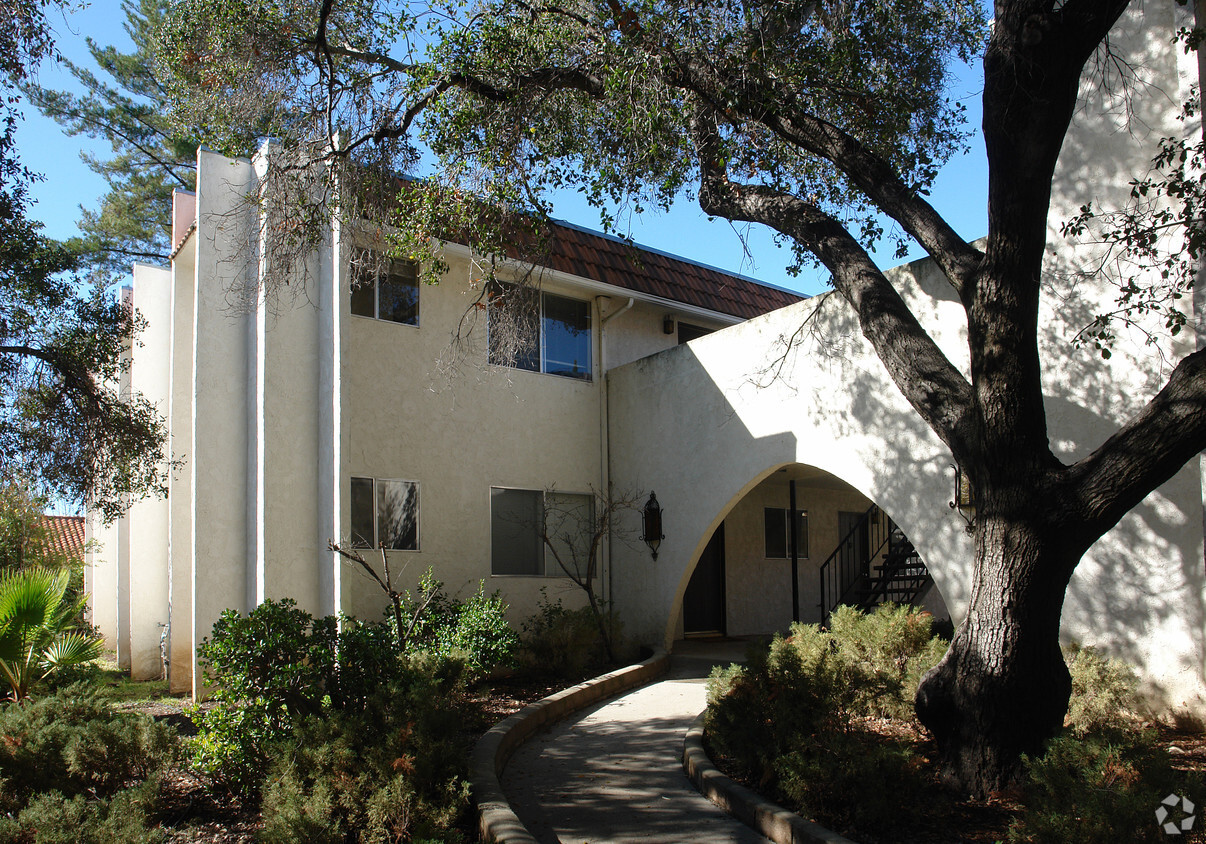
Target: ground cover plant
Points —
{"points": [[822, 721], [73, 769]]}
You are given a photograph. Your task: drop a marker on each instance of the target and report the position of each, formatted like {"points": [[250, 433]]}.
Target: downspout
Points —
{"points": [[602, 302]]}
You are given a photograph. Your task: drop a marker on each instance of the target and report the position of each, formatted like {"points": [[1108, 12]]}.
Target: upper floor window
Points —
{"points": [[540, 332], [385, 289], [385, 514]]}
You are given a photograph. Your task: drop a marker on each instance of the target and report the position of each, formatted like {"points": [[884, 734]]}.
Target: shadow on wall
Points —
{"points": [[703, 424]]}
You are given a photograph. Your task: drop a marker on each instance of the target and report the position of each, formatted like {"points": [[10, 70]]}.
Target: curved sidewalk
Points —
{"points": [[613, 772]]}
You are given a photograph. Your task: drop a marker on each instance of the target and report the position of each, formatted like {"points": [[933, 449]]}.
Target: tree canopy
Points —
{"points": [[812, 117], [64, 427]]}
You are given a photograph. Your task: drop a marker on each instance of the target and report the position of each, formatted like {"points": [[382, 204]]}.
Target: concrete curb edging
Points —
{"points": [[756, 812], [496, 820]]}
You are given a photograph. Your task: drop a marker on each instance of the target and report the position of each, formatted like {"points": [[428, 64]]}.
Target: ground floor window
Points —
{"points": [[385, 514], [778, 547], [520, 521]]}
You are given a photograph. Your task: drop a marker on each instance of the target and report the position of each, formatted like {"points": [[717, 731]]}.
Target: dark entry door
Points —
{"points": [[703, 602]]}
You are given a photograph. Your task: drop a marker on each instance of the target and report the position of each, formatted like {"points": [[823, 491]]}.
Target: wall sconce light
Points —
{"points": [[652, 515], [964, 502], [668, 324]]}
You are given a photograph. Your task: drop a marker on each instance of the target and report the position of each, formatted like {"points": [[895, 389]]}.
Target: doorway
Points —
{"points": [[704, 599]]}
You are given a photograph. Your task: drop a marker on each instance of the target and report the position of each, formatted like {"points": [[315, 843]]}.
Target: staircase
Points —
{"points": [[849, 576]]}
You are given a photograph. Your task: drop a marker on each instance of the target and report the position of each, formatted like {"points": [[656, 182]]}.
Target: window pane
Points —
{"points": [[569, 523], [362, 513], [364, 291], [801, 533], [398, 515], [566, 326], [398, 294], [514, 535], [514, 327], [774, 522]]}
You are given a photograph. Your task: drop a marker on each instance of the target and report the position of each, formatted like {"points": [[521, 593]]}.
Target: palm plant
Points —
{"points": [[38, 622]]}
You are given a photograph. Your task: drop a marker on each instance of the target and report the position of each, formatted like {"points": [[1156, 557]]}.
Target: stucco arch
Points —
{"points": [[705, 422], [759, 593]]}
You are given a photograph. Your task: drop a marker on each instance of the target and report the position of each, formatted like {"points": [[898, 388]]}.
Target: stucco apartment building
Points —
{"points": [[340, 415], [331, 416]]}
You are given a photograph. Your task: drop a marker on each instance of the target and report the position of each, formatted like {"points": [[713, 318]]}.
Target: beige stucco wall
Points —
{"points": [[1139, 590], [150, 376]]}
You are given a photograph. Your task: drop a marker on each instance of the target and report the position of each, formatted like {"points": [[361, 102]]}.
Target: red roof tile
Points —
{"points": [[622, 264], [67, 535]]}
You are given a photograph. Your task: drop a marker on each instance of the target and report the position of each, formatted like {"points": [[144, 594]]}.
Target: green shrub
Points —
{"points": [[1096, 788], [267, 668], [277, 654], [73, 743], [278, 665], [1103, 693], [51, 818], [394, 771], [788, 720], [565, 641], [853, 782], [478, 630]]}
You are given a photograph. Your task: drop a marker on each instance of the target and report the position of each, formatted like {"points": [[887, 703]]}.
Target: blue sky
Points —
{"points": [[960, 192]]}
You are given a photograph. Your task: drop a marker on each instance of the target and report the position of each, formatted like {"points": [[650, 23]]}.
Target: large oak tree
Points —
{"points": [[807, 117]]}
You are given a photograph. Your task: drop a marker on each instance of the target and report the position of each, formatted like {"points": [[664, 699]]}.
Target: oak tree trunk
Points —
{"points": [[1002, 689]]}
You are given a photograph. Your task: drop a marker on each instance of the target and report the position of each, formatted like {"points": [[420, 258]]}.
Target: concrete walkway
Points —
{"points": [[613, 772]]}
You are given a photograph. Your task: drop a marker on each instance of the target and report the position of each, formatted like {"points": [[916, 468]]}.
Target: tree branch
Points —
{"points": [[1148, 450], [866, 170], [928, 380]]}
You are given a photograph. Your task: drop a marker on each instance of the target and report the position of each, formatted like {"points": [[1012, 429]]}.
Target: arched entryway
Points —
{"points": [[797, 543]]}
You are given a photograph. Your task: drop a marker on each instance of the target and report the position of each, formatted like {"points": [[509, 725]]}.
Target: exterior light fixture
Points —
{"points": [[964, 503], [652, 516], [668, 324]]}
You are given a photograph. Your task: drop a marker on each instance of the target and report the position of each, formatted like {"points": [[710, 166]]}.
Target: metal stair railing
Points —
{"points": [[846, 572]]}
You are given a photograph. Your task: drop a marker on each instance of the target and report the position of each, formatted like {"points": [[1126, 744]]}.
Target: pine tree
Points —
{"points": [[151, 156]]}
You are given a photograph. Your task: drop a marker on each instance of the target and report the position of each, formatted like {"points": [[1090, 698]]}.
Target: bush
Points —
{"points": [[74, 770], [279, 665], [1103, 693], [268, 667], [51, 818], [395, 771], [1096, 788], [853, 782], [74, 744], [478, 630], [475, 630], [565, 641], [788, 720]]}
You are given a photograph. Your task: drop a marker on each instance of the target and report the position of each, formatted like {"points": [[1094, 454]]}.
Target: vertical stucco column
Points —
{"points": [[219, 456], [150, 376], [180, 499], [100, 576], [285, 402]]}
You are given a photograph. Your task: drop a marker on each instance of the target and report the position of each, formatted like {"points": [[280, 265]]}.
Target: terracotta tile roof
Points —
{"points": [[67, 534], [614, 261]]}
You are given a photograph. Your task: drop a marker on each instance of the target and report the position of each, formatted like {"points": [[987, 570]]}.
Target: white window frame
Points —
{"points": [[376, 512]]}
